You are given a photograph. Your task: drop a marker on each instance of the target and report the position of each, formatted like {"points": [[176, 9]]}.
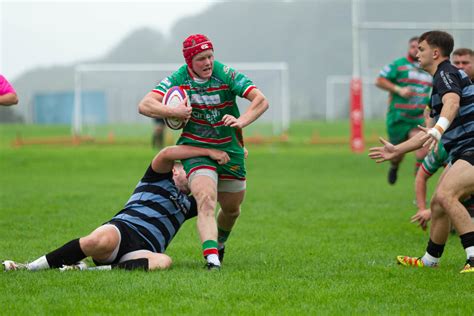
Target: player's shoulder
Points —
{"points": [[446, 72], [181, 74], [177, 78], [153, 176], [447, 66], [222, 71]]}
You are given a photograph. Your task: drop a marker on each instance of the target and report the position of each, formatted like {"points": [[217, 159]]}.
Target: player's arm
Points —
{"points": [[449, 112], [164, 161], [420, 188], [429, 122], [258, 105], [8, 99], [385, 84], [390, 151], [151, 105]]}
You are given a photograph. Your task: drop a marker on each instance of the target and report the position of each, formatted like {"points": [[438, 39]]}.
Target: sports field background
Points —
{"points": [[318, 234]]}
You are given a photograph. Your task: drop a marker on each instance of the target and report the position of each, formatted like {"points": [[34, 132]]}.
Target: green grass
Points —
{"points": [[318, 234]]}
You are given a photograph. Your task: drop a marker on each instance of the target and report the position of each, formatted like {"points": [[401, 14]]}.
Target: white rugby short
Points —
{"points": [[230, 186]]}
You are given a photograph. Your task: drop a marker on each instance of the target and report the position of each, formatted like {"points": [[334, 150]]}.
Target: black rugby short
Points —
{"points": [[130, 241], [467, 156]]}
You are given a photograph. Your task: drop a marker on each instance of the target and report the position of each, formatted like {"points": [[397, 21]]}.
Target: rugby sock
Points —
{"points": [[433, 253], [69, 254], [222, 236], [39, 264], [467, 241], [209, 251], [418, 164], [134, 264]]}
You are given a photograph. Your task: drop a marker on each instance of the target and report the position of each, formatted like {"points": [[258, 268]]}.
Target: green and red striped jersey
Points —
{"points": [[210, 100], [406, 73]]}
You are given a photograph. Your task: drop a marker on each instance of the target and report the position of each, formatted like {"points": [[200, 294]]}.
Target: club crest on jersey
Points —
{"points": [[235, 168], [226, 69]]}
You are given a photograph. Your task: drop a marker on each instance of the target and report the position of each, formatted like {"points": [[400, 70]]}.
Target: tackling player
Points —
{"points": [[409, 89], [138, 235]]}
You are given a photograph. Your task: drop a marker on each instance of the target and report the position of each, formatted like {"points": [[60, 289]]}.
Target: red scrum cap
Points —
{"points": [[193, 45]]}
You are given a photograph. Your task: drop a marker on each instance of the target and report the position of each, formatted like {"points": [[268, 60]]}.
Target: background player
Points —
{"points": [[463, 58], [137, 236], [452, 106], [409, 89]]}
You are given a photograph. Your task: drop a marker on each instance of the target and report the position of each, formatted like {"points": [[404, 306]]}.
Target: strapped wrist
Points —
{"points": [[443, 123]]}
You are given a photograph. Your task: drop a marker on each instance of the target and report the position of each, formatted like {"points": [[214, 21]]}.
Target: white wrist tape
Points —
{"points": [[435, 133], [443, 123]]}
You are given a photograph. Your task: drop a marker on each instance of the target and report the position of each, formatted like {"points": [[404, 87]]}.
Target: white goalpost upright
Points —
{"points": [[271, 77]]}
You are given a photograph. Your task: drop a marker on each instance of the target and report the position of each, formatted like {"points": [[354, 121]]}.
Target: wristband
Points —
{"points": [[397, 89], [443, 123]]}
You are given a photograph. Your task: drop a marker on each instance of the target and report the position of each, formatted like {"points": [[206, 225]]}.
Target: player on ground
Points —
{"points": [[7, 93], [452, 104], [137, 236], [463, 58], [409, 89], [214, 122]]}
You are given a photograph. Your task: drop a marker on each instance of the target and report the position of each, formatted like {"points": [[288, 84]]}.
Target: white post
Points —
{"points": [[355, 39], [77, 115], [285, 98]]}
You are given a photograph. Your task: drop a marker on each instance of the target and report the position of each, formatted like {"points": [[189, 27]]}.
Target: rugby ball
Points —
{"points": [[173, 97]]}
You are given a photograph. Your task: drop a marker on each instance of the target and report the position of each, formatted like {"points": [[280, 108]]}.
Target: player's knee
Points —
{"points": [[232, 211], [159, 262], [206, 200], [97, 242], [442, 200]]}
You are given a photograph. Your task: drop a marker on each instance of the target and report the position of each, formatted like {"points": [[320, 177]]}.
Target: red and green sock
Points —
{"points": [[209, 251]]}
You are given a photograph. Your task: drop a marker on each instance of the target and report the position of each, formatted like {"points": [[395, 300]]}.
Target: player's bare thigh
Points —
{"points": [[101, 243], [230, 195], [230, 201], [458, 181], [156, 261]]}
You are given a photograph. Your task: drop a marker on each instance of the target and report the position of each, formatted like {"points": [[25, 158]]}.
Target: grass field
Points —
{"points": [[318, 234]]}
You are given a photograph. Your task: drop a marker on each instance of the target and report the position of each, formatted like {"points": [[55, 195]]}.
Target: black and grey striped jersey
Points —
{"points": [[157, 209], [459, 137]]}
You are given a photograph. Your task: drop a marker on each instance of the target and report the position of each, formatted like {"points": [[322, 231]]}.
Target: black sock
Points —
{"points": [[467, 240], [135, 264], [434, 250], [68, 254]]}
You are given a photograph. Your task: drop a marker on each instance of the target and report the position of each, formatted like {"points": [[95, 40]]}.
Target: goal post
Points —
{"points": [[125, 84]]}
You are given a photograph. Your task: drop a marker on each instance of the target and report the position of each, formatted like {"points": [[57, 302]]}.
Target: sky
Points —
{"points": [[38, 33]]}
